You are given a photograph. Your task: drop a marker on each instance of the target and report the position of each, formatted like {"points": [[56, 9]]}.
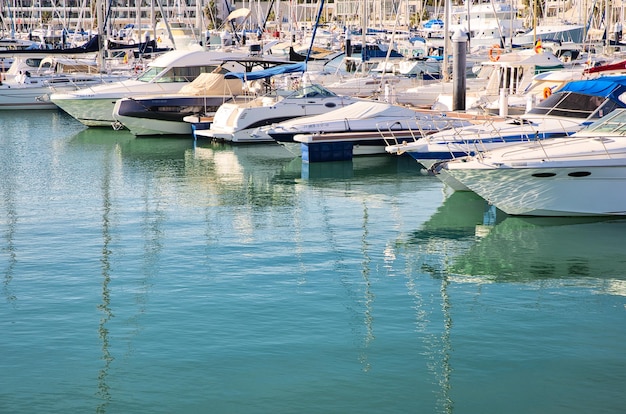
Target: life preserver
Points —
{"points": [[495, 52], [546, 92]]}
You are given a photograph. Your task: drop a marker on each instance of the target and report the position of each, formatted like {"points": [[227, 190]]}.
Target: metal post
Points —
{"points": [[458, 70]]}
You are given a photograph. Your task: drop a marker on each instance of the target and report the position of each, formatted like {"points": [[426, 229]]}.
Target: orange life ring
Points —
{"points": [[546, 92], [495, 52]]}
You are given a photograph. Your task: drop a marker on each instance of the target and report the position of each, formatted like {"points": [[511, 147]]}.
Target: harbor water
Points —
{"points": [[159, 275]]}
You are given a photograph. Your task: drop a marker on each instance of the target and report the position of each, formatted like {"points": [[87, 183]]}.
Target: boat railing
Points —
{"points": [[405, 131], [477, 140], [555, 145], [394, 132]]}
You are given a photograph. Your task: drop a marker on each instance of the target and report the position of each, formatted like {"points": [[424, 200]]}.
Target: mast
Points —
{"points": [[469, 19], [167, 24], [364, 38], [101, 39], [446, 39], [317, 21]]}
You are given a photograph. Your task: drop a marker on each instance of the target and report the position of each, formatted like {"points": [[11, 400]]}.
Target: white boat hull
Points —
{"points": [[150, 127], [16, 98], [92, 112], [97, 111], [564, 194]]}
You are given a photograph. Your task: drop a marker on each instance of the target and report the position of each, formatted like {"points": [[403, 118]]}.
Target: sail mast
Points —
{"points": [[446, 39]]}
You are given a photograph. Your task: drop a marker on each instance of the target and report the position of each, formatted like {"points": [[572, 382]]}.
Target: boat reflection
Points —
{"points": [[462, 215], [130, 147], [587, 252], [461, 220], [364, 166], [451, 230], [468, 241]]}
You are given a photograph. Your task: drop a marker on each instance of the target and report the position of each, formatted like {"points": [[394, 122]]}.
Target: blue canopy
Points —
{"points": [[609, 86], [267, 73], [433, 22]]}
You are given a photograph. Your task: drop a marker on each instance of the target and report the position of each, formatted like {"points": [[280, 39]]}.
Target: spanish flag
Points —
{"points": [[538, 48]]}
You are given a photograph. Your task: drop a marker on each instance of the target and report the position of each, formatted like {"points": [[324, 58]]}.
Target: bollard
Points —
{"points": [[504, 102], [458, 70]]}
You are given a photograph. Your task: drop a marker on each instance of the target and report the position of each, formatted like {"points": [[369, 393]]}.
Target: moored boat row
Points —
{"points": [[241, 98]]}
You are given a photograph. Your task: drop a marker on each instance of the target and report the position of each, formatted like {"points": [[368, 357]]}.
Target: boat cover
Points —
{"points": [[359, 110], [212, 84], [607, 87]]}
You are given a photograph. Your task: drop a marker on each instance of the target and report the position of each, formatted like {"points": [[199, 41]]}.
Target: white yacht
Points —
{"points": [[29, 81], [556, 31], [241, 122], [487, 23], [364, 125], [166, 74], [581, 175]]}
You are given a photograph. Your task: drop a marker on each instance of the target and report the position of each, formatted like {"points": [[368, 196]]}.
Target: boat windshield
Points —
{"points": [[574, 105], [150, 74], [176, 74], [312, 91], [614, 124]]}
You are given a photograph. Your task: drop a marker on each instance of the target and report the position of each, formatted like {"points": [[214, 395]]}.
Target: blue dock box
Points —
{"points": [[326, 151]]}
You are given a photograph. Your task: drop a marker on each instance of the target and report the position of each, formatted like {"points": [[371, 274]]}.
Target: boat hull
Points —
{"points": [[95, 109], [16, 98], [550, 191], [36, 95], [89, 112], [162, 115]]}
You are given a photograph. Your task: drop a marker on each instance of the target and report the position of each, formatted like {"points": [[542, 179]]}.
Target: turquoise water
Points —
{"points": [[152, 275]]}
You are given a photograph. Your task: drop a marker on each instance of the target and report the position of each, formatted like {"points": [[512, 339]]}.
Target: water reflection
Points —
{"points": [[517, 249], [470, 241], [368, 300], [104, 393], [358, 167], [146, 152], [246, 176], [452, 228], [241, 179], [8, 186], [463, 243], [153, 163], [456, 219]]}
